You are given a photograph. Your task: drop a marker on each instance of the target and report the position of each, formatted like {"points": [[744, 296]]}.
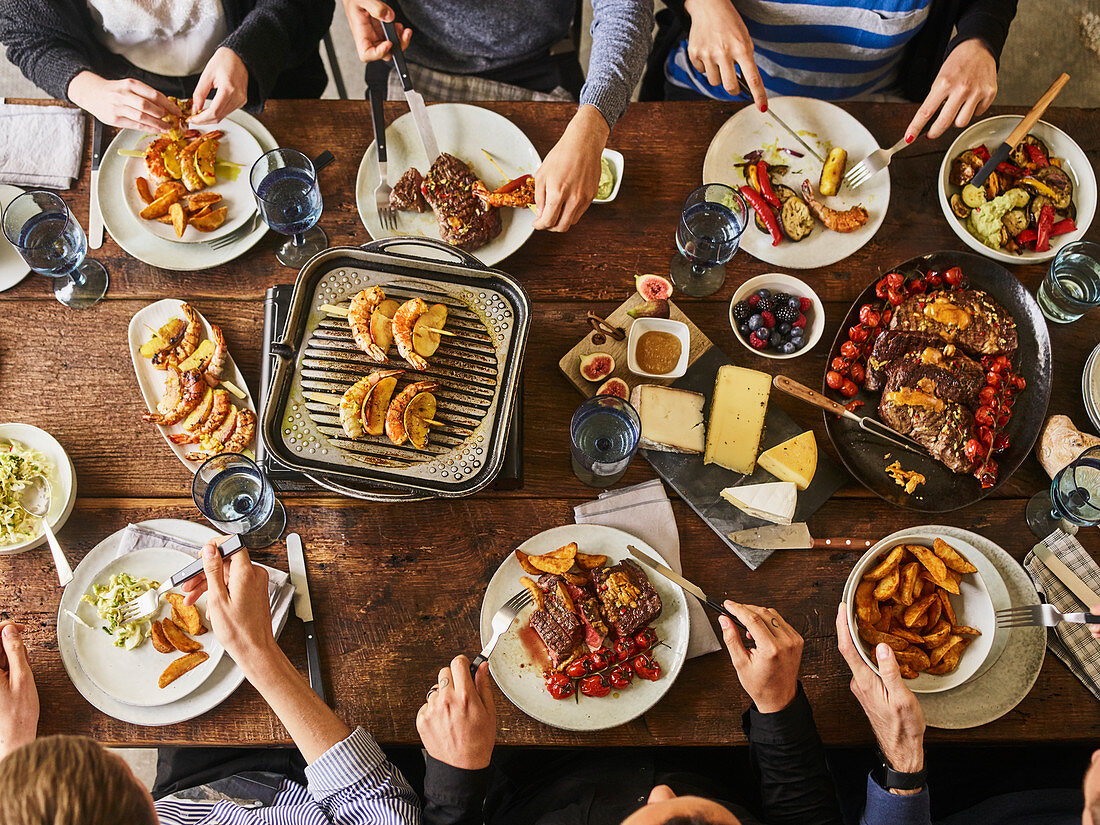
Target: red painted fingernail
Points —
{"points": [[909, 138], [764, 107]]}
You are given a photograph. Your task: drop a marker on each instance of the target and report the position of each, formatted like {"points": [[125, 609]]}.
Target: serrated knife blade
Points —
{"points": [[303, 608]]}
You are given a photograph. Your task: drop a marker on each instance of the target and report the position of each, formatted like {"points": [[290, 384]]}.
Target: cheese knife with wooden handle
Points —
{"points": [[792, 537]]}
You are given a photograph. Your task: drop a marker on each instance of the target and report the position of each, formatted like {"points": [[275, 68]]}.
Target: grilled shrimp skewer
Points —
{"points": [[351, 404], [403, 321], [154, 161], [359, 313], [395, 415], [847, 221], [191, 335], [216, 367], [193, 390]]}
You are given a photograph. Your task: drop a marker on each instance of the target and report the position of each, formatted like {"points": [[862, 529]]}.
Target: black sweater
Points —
{"points": [[52, 41]]}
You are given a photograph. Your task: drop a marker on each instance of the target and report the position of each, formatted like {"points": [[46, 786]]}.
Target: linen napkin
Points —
{"points": [[645, 511], [40, 146], [1072, 643]]}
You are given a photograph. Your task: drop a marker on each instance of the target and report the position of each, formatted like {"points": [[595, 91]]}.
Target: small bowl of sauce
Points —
{"points": [[658, 348]]}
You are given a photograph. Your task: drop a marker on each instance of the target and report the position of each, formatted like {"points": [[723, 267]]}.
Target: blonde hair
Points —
{"points": [[70, 780]]}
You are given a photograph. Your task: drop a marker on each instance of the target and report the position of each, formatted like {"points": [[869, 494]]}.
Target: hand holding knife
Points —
{"points": [[303, 608], [681, 582], [416, 100]]}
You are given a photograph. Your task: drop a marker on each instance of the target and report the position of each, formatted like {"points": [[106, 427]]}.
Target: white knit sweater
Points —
{"points": [[169, 37]]}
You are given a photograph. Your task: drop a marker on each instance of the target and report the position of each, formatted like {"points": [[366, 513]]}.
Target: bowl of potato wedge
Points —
{"points": [[924, 598]]}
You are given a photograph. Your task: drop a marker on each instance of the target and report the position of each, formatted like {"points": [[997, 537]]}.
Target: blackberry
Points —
{"points": [[742, 311], [780, 298], [764, 304], [785, 313]]}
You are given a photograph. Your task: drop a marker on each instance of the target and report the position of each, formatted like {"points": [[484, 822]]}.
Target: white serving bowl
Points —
{"points": [[617, 165], [992, 132], [779, 282], [644, 325], [62, 480], [973, 607]]}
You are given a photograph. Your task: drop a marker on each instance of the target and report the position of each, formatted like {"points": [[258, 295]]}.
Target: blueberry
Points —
{"points": [[788, 348], [797, 334], [744, 329], [794, 303], [764, 293], [755, 321], [785, 328], [779, 338], [799, 344], [762, 333]]}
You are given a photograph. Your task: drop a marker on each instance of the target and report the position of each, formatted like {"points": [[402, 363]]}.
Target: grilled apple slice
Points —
{"points": [[425, 341], [417, 415], [375, 405], [205, 156], [381, 324]]}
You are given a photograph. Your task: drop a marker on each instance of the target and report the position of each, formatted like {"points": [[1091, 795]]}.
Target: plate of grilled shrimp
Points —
{"points": [[192, 388]]}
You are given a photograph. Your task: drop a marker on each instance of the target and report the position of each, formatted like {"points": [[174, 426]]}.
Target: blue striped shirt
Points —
{"points": [[825, 49], [351, 784]]}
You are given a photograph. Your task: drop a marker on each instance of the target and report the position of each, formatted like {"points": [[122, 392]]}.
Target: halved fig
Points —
{"points": [[614, 386], [653, 287], [596, 366]]}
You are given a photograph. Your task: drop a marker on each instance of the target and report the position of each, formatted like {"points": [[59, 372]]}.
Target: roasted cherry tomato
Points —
{"points": [[1002, 420], [895, 279], [881, 287], [985, 435], [840, 364], [620, 676], [894, 296], [580, 667], [934, 280], [1001, 364], [849, 350], [858, 333], [992, 379], [984, 416], [597, 685], [858, 373], [560, 686], [975, 450], [852, 406], [1000, 442], [916, 286], [1019, 381], [986, 396], [834, 379], [623, 650], [869, 316], [848, 388], [887, 314], [646, 667], [645, 638], [953, 276], [600, 659]]}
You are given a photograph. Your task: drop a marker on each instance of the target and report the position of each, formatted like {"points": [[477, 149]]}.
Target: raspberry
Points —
{"points": [[801, 322], [805, 304], [756, 343], [769, 319], [753, 300]]}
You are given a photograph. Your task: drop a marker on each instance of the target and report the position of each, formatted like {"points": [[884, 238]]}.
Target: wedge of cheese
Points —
{"points": [[672, 420], [773, 501], [793, 460], [737, 410]]}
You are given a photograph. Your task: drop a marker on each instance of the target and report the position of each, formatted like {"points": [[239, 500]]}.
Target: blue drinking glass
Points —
{"points": [[52, 242], [289, 199], [711, 223], [1073, 499], [234, 494], [604, 435]]}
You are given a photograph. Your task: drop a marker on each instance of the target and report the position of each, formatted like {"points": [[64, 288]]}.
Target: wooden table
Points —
{"points": [[397, 588]]}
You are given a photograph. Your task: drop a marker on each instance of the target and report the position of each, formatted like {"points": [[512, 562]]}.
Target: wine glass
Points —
{"points": [[231, 491], [289, 199], [52, 242], [604, 436], [711, 223], [1073, 499]]}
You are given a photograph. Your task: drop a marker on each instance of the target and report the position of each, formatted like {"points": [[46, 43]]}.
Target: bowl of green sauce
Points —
{"points": [[611, 175]]}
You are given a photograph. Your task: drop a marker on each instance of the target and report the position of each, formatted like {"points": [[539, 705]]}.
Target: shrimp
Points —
{"points": [[172, 391], [213, 443], [847, 221], [216, 366], [519, 192], [359, 313], [190, 341], [351, 405], [395, 415], [154, 161], [193, 389], [403, 321], [219, 409], [243, 431]]}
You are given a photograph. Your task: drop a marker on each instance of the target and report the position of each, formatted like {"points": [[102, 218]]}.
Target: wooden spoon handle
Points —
{"points": [[804, 393], [842, 544], [1037, 110]]}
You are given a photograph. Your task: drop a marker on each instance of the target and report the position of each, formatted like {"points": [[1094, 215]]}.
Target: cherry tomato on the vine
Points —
{"points": [[560, 686]]}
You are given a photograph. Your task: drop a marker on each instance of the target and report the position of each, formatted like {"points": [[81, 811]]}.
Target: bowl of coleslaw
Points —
{"points": [[26, 451]]}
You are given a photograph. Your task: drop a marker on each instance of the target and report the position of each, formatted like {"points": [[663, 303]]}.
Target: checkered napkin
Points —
{"points": [[645, 511], [40, 146], [1072, 643]]}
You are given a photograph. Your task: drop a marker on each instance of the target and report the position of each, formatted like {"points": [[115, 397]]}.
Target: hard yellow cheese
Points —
{"points": [[737, 410], [793, 460], [672, 419]]}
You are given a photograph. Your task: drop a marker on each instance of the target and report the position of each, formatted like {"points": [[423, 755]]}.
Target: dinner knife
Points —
{"points": [[1071, 580], [416, 100], [95, 217], [793, 537], [771, 113], [680, 581], [1000, 154], [303, 608]]}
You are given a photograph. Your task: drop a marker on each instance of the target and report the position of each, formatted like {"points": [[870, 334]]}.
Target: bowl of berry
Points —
{"points": [[777, 316]]}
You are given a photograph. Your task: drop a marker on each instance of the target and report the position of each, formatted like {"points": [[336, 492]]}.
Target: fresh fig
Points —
{"points": [[596, 366], [614, 386], [653, 287], [650, 309]]}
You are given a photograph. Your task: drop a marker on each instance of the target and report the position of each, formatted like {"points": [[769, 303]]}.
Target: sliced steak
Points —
{"points": [[628, 599], [559, 629], [942, 427], [464, 219], [587, 608], [956, 378], [893, 345], [406, 195], [968, 318]]}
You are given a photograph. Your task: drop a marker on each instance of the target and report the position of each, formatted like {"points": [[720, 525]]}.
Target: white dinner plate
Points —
{"points": [[822, 125], [467, 132], [130, 676], [62, 478], [13, 268], [151, 380], [520, 675], [129, 231]]}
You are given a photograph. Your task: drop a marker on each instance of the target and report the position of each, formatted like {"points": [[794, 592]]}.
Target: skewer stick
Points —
{"points": [[330, 309], [441, 331]]}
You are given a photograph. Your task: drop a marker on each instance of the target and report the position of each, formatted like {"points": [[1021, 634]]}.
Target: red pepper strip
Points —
{"points": [[1008, 170], [766, 184], [511, 185], [1036, 155], [1062, 227], [981, 152], [1046, 223], [764, 211], [1028, 236]]}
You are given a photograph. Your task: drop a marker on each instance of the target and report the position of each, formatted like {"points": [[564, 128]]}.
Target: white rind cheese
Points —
{"points": [[737, 410], [793, 460], [672, 420], [773, 501]]}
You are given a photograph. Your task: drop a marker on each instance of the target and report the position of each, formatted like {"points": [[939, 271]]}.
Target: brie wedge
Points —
{"points": [[773, 501]]}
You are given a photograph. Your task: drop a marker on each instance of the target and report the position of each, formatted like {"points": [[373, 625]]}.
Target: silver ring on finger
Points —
{"points": [[431, 691], [775, 622]]}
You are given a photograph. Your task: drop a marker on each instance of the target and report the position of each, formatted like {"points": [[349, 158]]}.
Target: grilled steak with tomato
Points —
{"points": [[464, 219], [942, 427], [968, 318], [406, 195], [628, 600], [922, 361]]}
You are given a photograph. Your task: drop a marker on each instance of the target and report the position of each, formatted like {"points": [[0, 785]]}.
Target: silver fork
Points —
{"points": [[377, 74], [1041, 615], [502, 620], [871, 165], [148, 603]]}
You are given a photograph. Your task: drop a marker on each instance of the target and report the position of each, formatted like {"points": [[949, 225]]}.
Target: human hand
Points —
{"points": [[18, 695], [718, 43], [225, 74], [965, 86], [237, 605], [365, 18], [1094, 629], [569, 176], [895, 715], [127, 104], [768, 672], [458, 723]]}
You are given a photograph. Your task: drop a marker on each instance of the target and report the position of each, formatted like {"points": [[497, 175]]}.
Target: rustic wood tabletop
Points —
{"points": [[397, 589]]}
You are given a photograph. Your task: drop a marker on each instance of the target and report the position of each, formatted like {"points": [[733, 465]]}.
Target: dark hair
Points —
{"points": [[696, 819]]}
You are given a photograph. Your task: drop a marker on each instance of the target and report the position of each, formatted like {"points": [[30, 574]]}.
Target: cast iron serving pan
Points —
{"points": [[865, 456], [478, 366]]}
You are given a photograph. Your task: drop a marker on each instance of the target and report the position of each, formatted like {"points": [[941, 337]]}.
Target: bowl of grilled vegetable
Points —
{"points": [[1041, 198]]}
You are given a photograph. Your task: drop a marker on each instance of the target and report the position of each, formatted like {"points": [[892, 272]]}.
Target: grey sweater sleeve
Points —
{"points": [[622, 31], [45, 43]]}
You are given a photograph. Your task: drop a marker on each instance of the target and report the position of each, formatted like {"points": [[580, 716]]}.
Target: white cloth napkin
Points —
{"points": [[645, 511], [40, 146]]}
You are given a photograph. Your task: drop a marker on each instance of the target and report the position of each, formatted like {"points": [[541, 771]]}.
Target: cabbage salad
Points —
{"points": [[17, 464], [108, 600]]}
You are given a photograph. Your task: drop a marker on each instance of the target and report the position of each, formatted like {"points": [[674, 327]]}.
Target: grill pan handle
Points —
{"points": [[462, 256], [351, 492]]}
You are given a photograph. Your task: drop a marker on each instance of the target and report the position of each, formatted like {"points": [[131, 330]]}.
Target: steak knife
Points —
{"points": [[680, 582], [95, 217], [792, 537], [1074, 583], [303, 608], [415, 99]]}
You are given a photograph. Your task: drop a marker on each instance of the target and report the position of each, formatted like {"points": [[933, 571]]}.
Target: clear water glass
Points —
{"points": [[1073, 499], [1072, 284], [289, 199], [711, 224], [52, 242], [233, 493], [604, 436]]}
